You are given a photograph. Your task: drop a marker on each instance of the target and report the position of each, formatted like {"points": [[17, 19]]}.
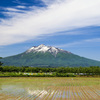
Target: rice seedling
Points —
{"points": [[44, 88]]}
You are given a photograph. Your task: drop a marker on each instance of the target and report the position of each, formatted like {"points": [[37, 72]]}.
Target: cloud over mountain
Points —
{"points": [[57, 16]]}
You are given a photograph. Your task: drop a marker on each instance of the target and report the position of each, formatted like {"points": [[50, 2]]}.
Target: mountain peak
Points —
{"points": [[43, 48], [42, 45], [54, 57]]}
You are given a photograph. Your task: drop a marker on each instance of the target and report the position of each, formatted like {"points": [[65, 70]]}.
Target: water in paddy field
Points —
{"points": [[49, 89]]}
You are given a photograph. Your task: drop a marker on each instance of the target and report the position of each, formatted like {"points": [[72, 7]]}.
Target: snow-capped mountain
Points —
{"points": [[48, 56], [43, 48]]}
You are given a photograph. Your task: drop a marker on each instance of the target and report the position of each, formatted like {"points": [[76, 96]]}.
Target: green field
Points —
{"points": [[50, 88]]}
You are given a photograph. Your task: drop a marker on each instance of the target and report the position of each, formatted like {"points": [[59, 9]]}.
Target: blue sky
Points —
{"points": [[72, 25]]}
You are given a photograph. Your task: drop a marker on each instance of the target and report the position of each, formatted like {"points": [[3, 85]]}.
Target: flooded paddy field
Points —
{"points": [[53, 88]]}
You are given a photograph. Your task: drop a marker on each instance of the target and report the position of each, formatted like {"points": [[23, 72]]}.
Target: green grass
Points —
{"points": [[29, 74], [57, 81], [77, 88]]}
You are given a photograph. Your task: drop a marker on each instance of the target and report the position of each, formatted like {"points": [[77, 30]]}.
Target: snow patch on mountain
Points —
{"points": [[43, 48]]}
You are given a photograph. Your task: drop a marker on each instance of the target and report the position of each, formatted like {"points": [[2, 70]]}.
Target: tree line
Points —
{"points": [[92, 69]]}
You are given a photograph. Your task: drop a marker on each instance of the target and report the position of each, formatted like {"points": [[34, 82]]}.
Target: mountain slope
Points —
{"points": [[44, 56]]}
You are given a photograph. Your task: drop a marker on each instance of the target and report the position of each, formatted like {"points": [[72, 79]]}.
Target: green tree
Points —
{"points": [[0, 57], [1, 69], [1, 63]]}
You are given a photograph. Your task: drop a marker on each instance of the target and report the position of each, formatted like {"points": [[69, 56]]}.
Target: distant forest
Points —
{"points": [[93, 69]]}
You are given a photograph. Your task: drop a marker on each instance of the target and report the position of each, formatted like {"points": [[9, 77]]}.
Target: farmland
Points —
{"points": [[50, 88]]}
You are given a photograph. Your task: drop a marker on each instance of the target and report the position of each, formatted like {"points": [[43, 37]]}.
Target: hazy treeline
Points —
{"points": [[93, 69]]}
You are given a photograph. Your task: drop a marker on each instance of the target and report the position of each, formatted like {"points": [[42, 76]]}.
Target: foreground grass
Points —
{"points": [[54, 81], [50, 88], [49, 74], [29, 74]]}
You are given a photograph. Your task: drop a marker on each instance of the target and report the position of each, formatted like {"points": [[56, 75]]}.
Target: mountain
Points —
{"points": [[42, 48], [48, 56]]}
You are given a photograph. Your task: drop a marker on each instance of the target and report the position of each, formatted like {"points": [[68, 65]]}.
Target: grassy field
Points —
{"points": [[49, 88]]}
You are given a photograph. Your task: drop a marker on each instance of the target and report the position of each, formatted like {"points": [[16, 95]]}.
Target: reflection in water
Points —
{"points": [[12, 90], [27, 93], [17, 90], [39, 93], [46, 91]]}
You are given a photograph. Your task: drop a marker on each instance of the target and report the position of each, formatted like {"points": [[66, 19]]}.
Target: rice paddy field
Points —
{"points": [[50, 88]]}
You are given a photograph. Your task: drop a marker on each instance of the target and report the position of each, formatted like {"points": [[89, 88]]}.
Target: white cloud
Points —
{"points": [[21, 7], [50, 2], [19, 2], [93, 40], [11, 9], [58, 16], [81, 43]]}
